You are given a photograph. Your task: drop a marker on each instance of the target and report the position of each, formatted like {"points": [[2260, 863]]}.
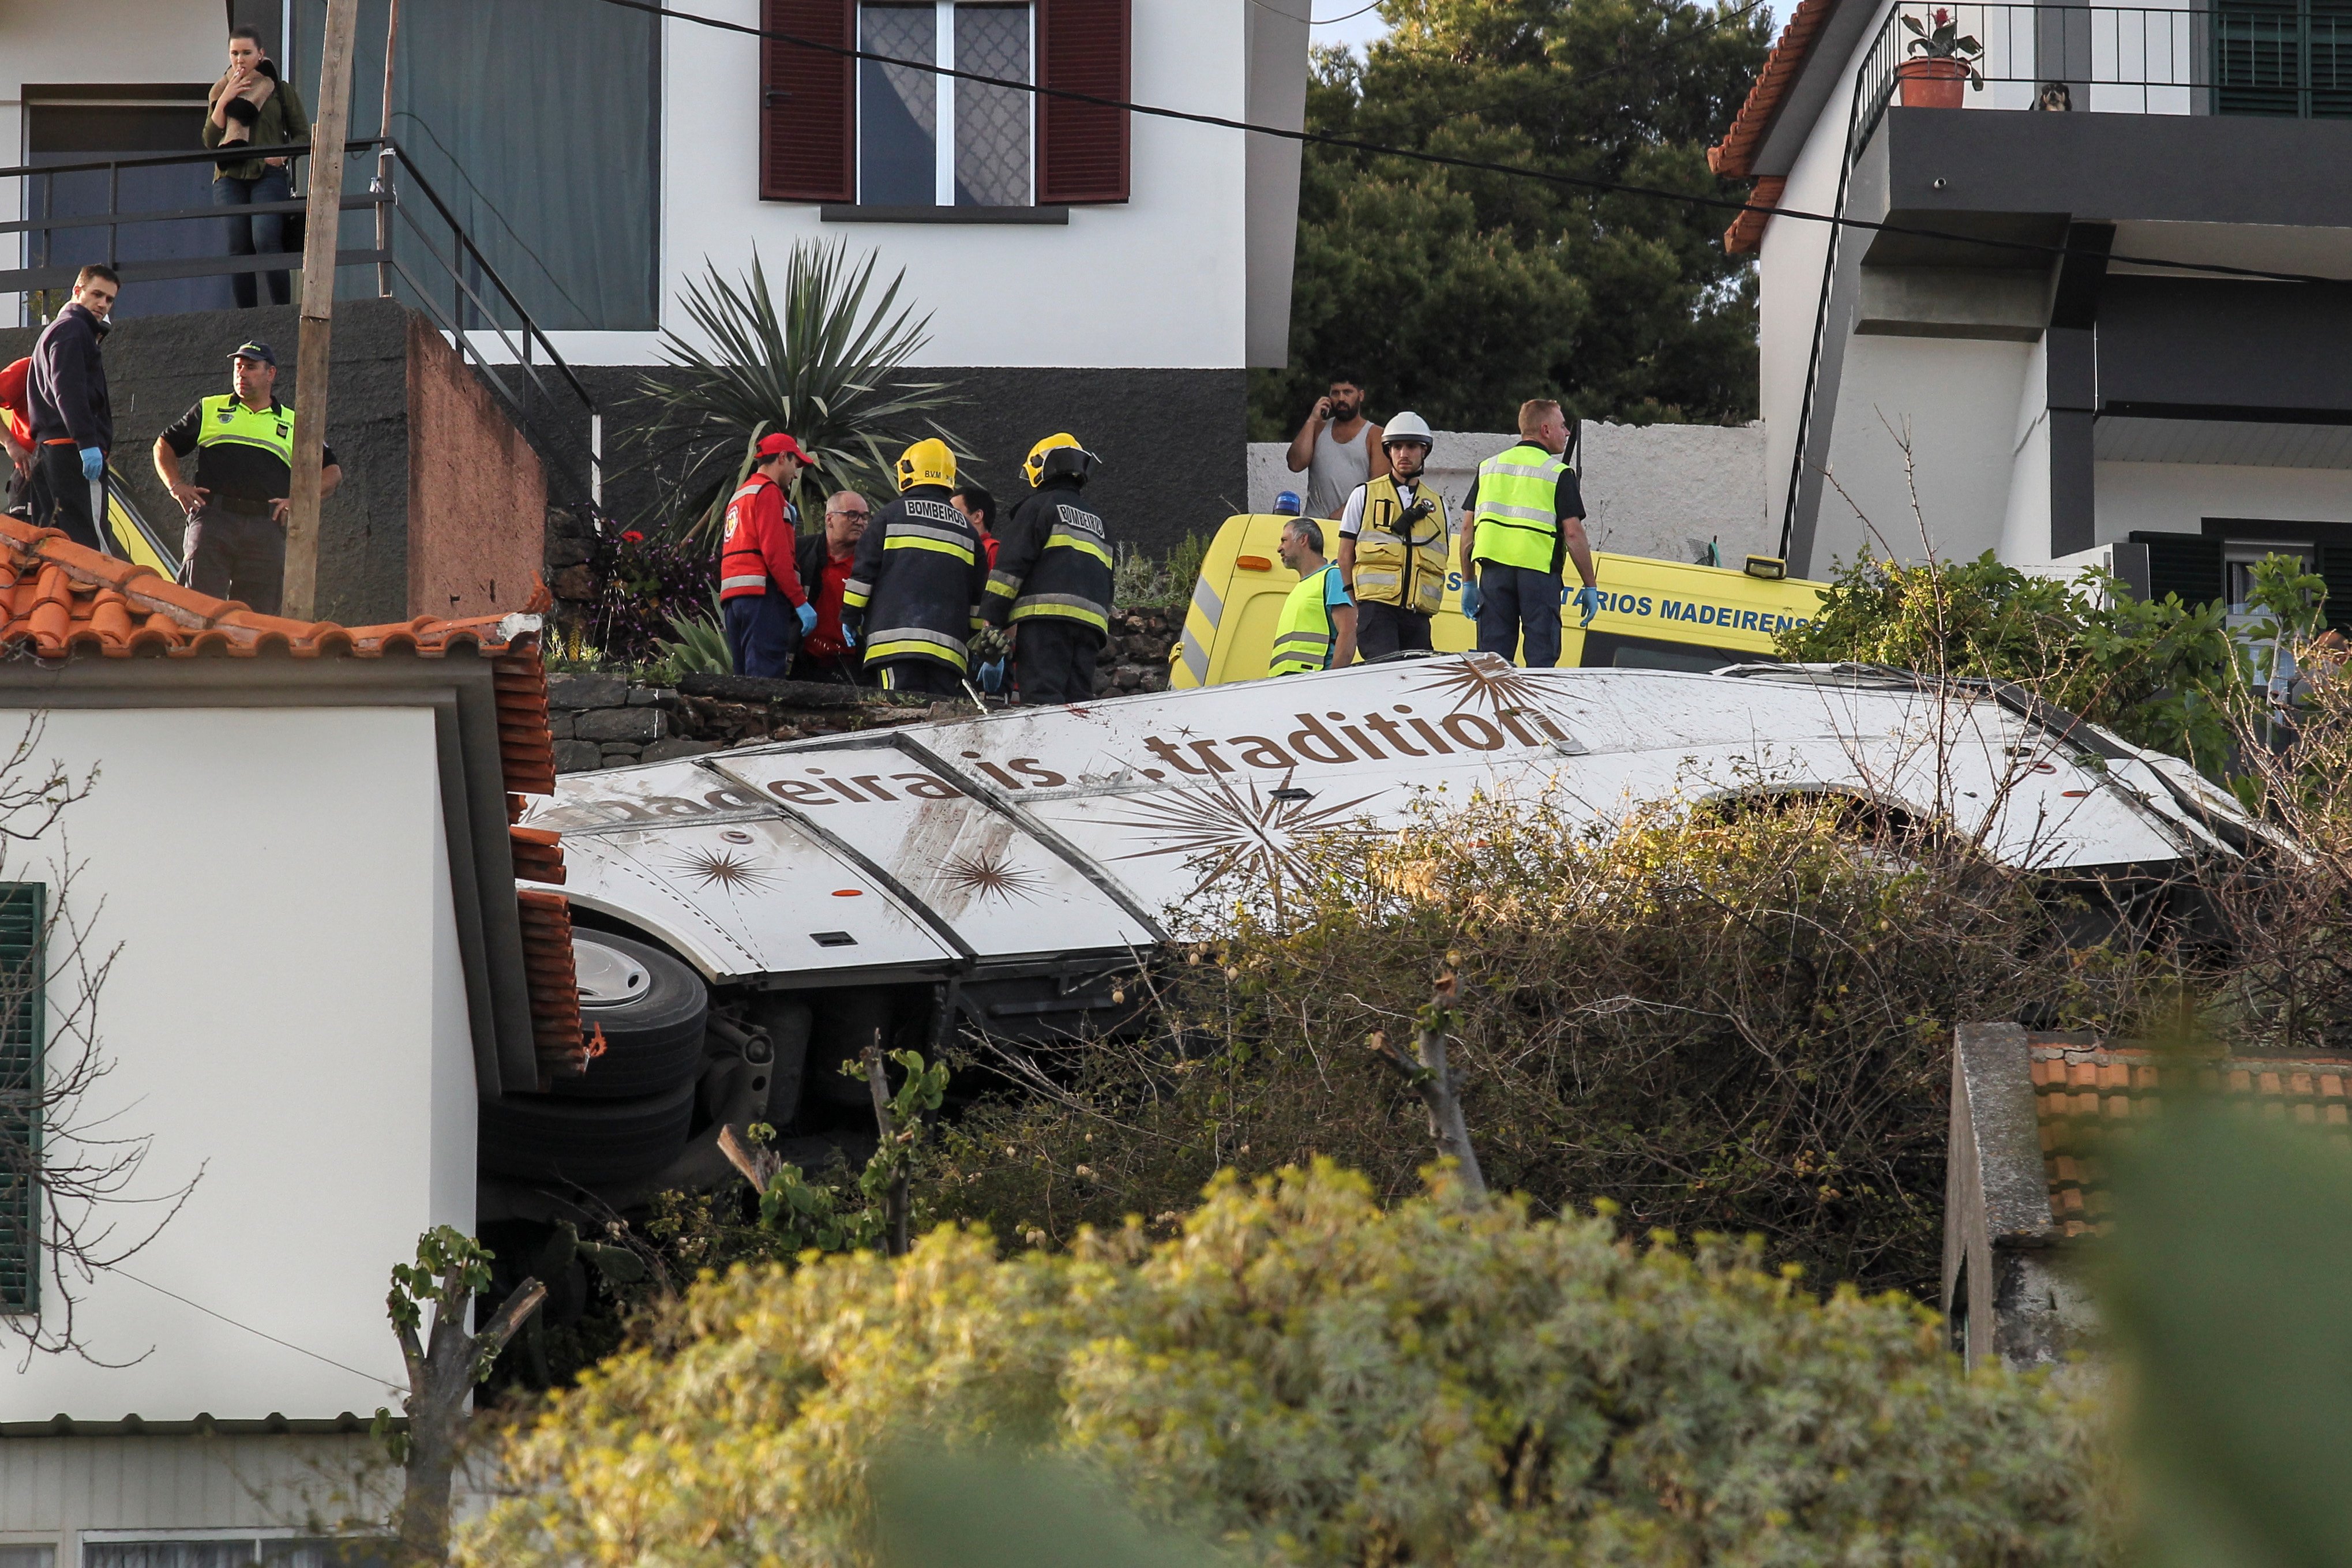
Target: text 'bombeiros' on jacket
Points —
{"points": [[917, 581], [1052, 561], [1398, 561]]}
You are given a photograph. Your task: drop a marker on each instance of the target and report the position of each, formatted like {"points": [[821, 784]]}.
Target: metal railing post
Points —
{"points": [[596, 460], [381, 191], [113, 205]]}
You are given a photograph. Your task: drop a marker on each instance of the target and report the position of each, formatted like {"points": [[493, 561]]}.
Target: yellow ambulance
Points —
{"points": [[1654, 615]]}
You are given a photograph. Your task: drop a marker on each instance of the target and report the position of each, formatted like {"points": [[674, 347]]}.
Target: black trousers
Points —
{"points": [[1384, 629], [29, 494], [843, 669], [69, 498], [1515, 601], [236, 554], [924, 675], [1053, 660]]}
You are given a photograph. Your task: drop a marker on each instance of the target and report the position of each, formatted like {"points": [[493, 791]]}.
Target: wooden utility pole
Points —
{"points": [[325, 220]]}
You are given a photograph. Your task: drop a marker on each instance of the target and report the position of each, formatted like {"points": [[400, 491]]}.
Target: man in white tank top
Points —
{"points": [[1337, 448]]}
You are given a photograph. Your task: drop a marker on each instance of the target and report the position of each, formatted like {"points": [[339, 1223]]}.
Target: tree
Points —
{"points": [[451, 1268], [1459, 292], [821, 363], [1312, 1380]]}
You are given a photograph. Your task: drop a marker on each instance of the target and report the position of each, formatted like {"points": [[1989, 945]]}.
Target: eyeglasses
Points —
{"points": [[838, 511]]}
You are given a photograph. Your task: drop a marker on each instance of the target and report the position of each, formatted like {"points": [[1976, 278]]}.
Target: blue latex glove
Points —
{"points": [[808, 617], [850, 627], [1470, 599], [1588, 601], [93, 464], [991, 677]]}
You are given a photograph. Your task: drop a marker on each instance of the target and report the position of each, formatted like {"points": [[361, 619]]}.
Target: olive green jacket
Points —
{"points": [[282, 121]]}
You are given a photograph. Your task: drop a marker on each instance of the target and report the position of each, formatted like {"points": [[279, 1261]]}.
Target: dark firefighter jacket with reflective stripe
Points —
{"points": [[917, 581], [1054, 562]]}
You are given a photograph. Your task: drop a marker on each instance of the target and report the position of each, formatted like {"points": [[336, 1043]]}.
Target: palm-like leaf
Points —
{"points": [[826, 366]]}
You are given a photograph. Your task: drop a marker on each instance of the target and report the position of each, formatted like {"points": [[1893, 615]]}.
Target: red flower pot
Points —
{"points": [[1932, 81]]}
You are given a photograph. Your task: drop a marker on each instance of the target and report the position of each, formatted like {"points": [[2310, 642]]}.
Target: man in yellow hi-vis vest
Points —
{"points": [[1393, 545], [1523, 517], [1318, 629], [234, 547]]}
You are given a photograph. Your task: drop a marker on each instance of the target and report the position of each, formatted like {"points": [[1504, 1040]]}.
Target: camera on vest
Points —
{"points": [[1416, 511]]}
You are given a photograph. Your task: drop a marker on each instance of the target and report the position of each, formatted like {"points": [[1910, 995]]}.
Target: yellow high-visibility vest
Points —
{"points": [[228, 422], [1401, 563], [1519, 507], [1302, 639]]}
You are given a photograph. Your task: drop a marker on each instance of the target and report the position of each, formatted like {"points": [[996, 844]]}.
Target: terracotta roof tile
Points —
{"points": [[1735, 155], [59, 600], [1746, 235], [2089, 1095]]}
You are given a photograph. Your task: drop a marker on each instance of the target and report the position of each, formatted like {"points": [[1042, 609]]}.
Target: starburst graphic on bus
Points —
{"points": [[989, 875], [1478, 681], [1225, 831], [723, 868]]}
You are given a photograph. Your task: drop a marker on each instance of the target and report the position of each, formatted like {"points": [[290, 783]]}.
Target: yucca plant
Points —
{"points": [[700, 647], [822, 362]]}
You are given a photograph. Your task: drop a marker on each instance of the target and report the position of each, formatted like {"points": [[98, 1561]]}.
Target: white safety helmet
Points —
{"points": [[1407, 427]]}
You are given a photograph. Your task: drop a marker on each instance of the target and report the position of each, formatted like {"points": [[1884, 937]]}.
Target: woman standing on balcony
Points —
{"points": [[251, 108]]}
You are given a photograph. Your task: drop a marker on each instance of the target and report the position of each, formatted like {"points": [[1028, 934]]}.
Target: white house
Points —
{"points": [[293, 849], [1082, 268], [2046, 341]]}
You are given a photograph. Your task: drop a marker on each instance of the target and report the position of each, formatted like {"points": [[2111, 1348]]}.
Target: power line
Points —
{"points": [[273, 1339], [1478, 165]]}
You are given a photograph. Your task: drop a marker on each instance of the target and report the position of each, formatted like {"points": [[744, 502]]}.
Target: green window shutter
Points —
{"points": [[2330, 27], [2335, 569], [2188, 564], [2257, 64], [23, 922]]}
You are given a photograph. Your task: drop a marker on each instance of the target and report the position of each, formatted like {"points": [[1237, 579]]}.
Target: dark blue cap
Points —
{"points": [[261, 351]]}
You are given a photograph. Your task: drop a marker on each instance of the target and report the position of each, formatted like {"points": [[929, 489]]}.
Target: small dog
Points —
{"points": [[2055, 97]]}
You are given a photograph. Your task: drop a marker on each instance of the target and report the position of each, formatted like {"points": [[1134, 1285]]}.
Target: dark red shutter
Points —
{"points": [[807, 142], [1083, 47]]}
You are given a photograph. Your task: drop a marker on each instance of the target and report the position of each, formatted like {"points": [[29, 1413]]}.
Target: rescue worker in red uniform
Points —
{"points": [[912, 600], [1052, 583], [766, 610]]}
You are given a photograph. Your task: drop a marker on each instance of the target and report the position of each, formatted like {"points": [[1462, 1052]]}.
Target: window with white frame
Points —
{"points": [[928, 140]]}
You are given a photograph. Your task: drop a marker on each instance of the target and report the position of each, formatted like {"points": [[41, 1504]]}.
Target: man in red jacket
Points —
{"points": [[16, 439], [766, 610]]}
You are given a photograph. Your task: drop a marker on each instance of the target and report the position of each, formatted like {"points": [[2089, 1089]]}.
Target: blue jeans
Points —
{"points": [[257, 234], [763, 633], [1515, 601]]}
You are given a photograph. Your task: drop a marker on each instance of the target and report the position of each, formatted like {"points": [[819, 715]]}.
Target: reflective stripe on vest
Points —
{"points": [[1519, 507], [1302, 639], [227, 422], [1392, 568], [743, 570]]}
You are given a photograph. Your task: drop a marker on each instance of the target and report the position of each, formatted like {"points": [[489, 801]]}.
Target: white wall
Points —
{"points": [[1957, 402], [1661, 490], [281, 1018], [1156, 282], [115, 41], [2176, 498]]}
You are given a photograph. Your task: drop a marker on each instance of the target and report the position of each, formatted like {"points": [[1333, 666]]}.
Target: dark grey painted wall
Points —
{"points": [[2200, 344], [1172, 442], [157, 366], [2183, 168]]}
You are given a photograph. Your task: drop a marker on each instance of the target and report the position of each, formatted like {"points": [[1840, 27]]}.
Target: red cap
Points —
{"points": [[778, 442]]}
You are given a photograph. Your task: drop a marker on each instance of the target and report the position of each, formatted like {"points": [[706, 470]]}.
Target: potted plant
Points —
{"points": [[1940, 61]]}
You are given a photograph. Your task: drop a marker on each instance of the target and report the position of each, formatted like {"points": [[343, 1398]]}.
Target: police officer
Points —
{"points": [[235, 546], [1053, 577], [1523, 515], [1392, 540], [760, 597], [912, 600], [1318, 628]]}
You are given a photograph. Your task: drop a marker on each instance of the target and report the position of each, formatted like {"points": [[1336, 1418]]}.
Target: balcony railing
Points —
{"points": [[2286, 58], [413, 249]]}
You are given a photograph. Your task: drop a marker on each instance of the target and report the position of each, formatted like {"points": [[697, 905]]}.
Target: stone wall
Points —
{"points": [[609, 721]]}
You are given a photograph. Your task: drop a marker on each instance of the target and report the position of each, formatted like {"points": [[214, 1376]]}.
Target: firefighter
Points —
{"points": [[766, 610], [1393, 545], [912, 600], [1053, 578]]}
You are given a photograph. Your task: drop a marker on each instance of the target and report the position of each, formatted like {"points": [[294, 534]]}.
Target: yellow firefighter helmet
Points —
{"points": [[927, 462], [1079, 463]]}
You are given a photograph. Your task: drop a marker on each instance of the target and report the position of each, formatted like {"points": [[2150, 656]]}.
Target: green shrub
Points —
{"points": [[2161, 675], [1312, 1380], [1736, 1024]]}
